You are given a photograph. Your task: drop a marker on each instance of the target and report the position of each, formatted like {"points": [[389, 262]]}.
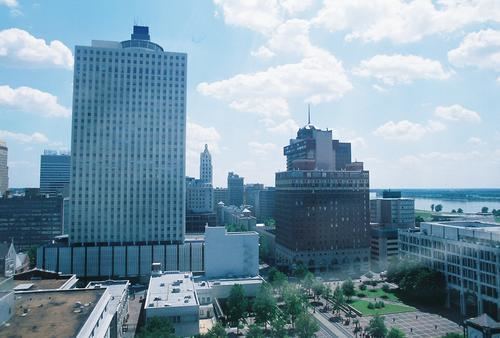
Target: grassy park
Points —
{"points": [[380, 295], [362, 306]]}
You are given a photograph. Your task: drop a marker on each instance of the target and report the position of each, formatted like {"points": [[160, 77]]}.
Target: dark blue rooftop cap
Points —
{"points": [[140, 33]]}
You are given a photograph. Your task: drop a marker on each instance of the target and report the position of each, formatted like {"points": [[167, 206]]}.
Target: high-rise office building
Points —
{"points": [[235, 189], [220, 195], [4, 169], [251, 192], [128, 143], [54, 172], [206, 174], [322, 214], [265, 204]]}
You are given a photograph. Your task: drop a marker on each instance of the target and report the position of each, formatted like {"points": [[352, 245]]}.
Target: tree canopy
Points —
{"points": [[236, 305], [395, 333], [157, 327], [348, 288], [264, 305], [376, 327], [306, 326]]}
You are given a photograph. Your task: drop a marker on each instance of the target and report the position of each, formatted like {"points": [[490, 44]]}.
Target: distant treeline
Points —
{"points": [[449, 194]]}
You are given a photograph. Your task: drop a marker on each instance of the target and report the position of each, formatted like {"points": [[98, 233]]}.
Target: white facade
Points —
{"points": [[242, 217], [206, 174], [7, 302], [199, 196], [128, 142], [231, 254], [173, 296], [468, 254], [4, 169]]}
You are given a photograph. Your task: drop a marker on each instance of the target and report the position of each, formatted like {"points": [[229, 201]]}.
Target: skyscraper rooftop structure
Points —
{"points": [[235, 189], [206, 172], [128, 143]]}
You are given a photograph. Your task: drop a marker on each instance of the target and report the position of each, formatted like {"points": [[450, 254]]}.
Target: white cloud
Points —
{"points": [[32, 100], [287, 127], [9, 3], [395, 69], [315, 79], [476, 141], [403, 21], [263, 52], [258, 15], [407, 131], [36, 137], [22, 46], [296, 6], [262, 148], [457, 113], [197, 136], [480, 49]]}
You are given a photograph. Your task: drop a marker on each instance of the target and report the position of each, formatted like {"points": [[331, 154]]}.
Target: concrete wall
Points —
{"points": [[231, 254]]}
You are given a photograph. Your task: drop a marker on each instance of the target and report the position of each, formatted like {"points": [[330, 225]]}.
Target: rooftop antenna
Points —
{"points": [[308, 113]]}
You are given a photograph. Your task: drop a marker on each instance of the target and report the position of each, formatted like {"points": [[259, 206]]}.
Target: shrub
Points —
{"points": [[384, 297], [373, 290], [361, 295], [362, 287], [371, 306], [373, 283], [386, 287]]}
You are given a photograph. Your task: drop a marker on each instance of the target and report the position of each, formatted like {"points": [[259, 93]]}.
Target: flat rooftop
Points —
{"points": [[60, 313], [40, 284], [171, 290], [471, 225]]}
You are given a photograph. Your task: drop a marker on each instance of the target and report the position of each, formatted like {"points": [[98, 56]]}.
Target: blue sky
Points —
{"points": [[414, 85]]}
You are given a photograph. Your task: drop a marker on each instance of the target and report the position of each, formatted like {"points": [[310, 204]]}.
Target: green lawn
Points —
{"points": [[362, 306], [497, 219], [426, 215], [378, 293]]}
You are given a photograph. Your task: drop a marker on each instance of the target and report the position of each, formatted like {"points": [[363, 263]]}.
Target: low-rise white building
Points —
{"points": [[172, 296], [468, 254], [231, 254]]}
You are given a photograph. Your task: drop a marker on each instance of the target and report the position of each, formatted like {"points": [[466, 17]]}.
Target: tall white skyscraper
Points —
{"points": [[4, 169], [128, 143], [206, 166]]}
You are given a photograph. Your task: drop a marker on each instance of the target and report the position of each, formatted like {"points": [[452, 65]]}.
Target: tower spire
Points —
{"points": [[308, 113]]}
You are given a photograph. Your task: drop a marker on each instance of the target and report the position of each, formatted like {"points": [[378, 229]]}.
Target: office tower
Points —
{"points": [[54, 172], [235, 189], [392, 209], [265, 204], [322, 214], [4, 169], [251, 192], [128, 143], [31, 220], [206, 166], [314, 149], [467, 253], [220, 195], [199, 196]]}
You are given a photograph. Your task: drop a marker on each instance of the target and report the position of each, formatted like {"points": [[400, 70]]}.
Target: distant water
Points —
{"points": [[448, 205], [472, 203]]}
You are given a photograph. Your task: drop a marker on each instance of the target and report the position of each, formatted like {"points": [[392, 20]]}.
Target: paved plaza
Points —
{"points": [[417, 324]]}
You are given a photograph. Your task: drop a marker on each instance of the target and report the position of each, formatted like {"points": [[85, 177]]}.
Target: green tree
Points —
{"points": [[278, 327], [348, 288], [338, 300], [396, 333], [294, 303], [460, 210], [157, 327], [484, 210], [270, 222], [217, 331], [264, 306], [32, 256], [306, 326], [318, 289], [254, 331], [419, 219], [438, 208], [236, 305], [300, 271], [308, 281], [453, 335], [453, 211], [376, 327]]}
